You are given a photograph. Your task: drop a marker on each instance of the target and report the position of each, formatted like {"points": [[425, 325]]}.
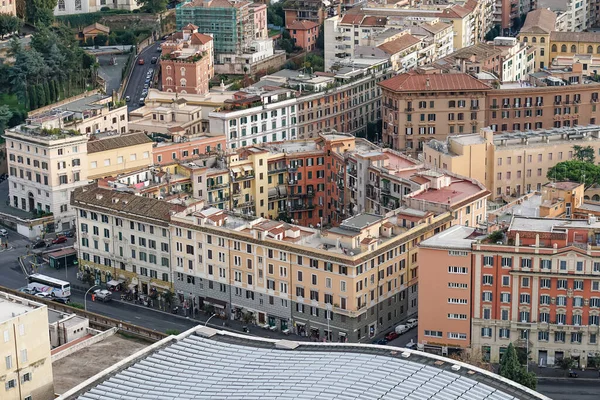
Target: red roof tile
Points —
{"points": [[302, 25], [352, 18], [374, 21], [414, 82], [401, 43], [200, 38]]}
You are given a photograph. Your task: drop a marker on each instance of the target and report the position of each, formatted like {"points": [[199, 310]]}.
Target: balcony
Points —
{"points": [[218, 200], [385, 189], [244, 177], [216, 186], [352, 172], [409, 109], [277, 170]]}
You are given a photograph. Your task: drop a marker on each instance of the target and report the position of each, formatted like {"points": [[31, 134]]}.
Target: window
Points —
{"points": [[488, 279]]}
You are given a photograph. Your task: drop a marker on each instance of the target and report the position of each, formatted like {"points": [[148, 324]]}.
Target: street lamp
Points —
{"points": [[85, 297], [206, 323]]}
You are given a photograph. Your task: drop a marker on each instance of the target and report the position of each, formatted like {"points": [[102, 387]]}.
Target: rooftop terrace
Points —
{"points": [[13, 306]]}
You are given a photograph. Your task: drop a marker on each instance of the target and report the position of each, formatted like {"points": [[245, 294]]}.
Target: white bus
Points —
{"points": [[54, 287]]}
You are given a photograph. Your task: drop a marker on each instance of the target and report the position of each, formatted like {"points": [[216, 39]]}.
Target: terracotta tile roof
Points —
{"points": [[435, 28], [354, 19], [397, 45], [470, 5], [541, 20], [480, 51], [200, 38], [374, 21], [414, 82], [102, 199], [190, 27], [115, 142], [96, 26], [302, 25], [585, 37], [455, 11]]}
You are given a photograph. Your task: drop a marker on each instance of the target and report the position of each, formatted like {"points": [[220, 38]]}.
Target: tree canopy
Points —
{"points": [[153, 6], [584, 153], [40, 12], [575, 171], [275, 14], [510, 368], [9, 24]]}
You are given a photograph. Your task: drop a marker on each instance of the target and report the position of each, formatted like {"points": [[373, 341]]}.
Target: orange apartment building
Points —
{"points": [[418, 107], [538, 288], [187, 61], [170, 152], [304, 34]]}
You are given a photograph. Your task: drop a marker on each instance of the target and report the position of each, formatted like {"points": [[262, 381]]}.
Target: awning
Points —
{"points": [[236, 170], [282, 190], [247, 168], [113, 283], [273, 192], [215, 302]]}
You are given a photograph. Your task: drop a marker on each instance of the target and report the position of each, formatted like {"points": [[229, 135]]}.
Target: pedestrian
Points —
{"points": [[93, 297]]}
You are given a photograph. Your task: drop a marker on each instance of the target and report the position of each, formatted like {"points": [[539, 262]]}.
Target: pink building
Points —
{"points": [[304, 34], [167, 152], [187, 62], [259, 13]]}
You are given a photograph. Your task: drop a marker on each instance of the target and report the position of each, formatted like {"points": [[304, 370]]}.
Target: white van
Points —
{"points": [[412, 323], [400, 329]]}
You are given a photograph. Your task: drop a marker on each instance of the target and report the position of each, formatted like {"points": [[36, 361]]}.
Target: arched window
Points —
{"points": [[554, 48], [182, 82], [563, 48], [525, 39], [183, 92], [169, 81], [169, 69], [590, 50], [573, 48], [542, 40], [182, 71], [169, 90], [534, 40], [598, 50], [61, 5], [596, 197]]}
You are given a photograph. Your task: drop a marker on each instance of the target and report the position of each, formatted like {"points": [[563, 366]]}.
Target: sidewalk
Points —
{"points": [[560, 374]]}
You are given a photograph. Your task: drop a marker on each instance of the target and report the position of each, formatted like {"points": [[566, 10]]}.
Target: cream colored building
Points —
{"points": [[44, 168], [118, 154], [26, 367], [510, 164]]}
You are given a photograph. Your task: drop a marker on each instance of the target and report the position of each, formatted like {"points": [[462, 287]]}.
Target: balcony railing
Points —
{"points": [[244, 177]]}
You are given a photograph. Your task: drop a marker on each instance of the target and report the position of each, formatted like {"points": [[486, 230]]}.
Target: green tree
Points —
{"points": [[287, 45], [32, 96], [321, 38], [575, 171], [9, 24], [567, 363], [594, 361], [5, 116], [276, 14], [100, 40], [46, 88], [41, 97], [40, 12], [510, 368], [584, 153], [153, 6]]}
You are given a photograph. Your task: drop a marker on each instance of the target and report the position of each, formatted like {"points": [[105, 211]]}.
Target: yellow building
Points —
{"points": [[26, 367], [510, 164], [561, 199], [572, 43], [536, 31], [118, 154]]}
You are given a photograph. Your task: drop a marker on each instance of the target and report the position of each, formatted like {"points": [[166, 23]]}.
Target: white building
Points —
{"points": [[272, 119], [515, 65], [68, 7], [572, 16]]}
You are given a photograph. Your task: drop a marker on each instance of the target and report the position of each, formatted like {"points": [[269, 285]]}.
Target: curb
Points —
{"points": [[556, 378]]}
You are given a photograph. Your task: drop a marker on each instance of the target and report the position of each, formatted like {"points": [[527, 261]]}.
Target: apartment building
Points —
{"points": [[575, 15], [536, 32], [187, 61], [309, 10], [267, 112], [70, 7], [509, 164], [551, 101], [88, 113], [124, 236], [45, 166], [506, 58], [304, 34], [349, 37], [240, 39], [117, 154], [571, 43], [25, 349], [301, 280], [446, 282], [418, 107]]}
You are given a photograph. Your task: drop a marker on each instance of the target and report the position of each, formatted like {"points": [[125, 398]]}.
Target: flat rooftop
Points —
{"points": [[550, 225], [83, 364], [456, 237], [13, 306], [529, 207], [457, 191], [204, 363]]}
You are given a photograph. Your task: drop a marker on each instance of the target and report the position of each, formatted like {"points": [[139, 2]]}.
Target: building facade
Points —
{"points": [[418, 107], [70, 7], [304, 34], [25, 349], [187, 62]]}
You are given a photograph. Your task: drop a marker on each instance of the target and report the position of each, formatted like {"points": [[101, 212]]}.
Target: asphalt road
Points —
{"points": [[111, 73], [569, 389], [135, 86]]}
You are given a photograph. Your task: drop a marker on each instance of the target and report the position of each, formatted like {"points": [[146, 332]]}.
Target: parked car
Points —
{"points": [[153, 61], [142, 101], [3, 232], [68, 234], [411, 345], [400, 329], [141, 61], [391, 336], [43, 295], [39, 244], [380, 341], [103, 295], [60, 239], [62, 300], [412, 323], [127, 98], [27, 290]]}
